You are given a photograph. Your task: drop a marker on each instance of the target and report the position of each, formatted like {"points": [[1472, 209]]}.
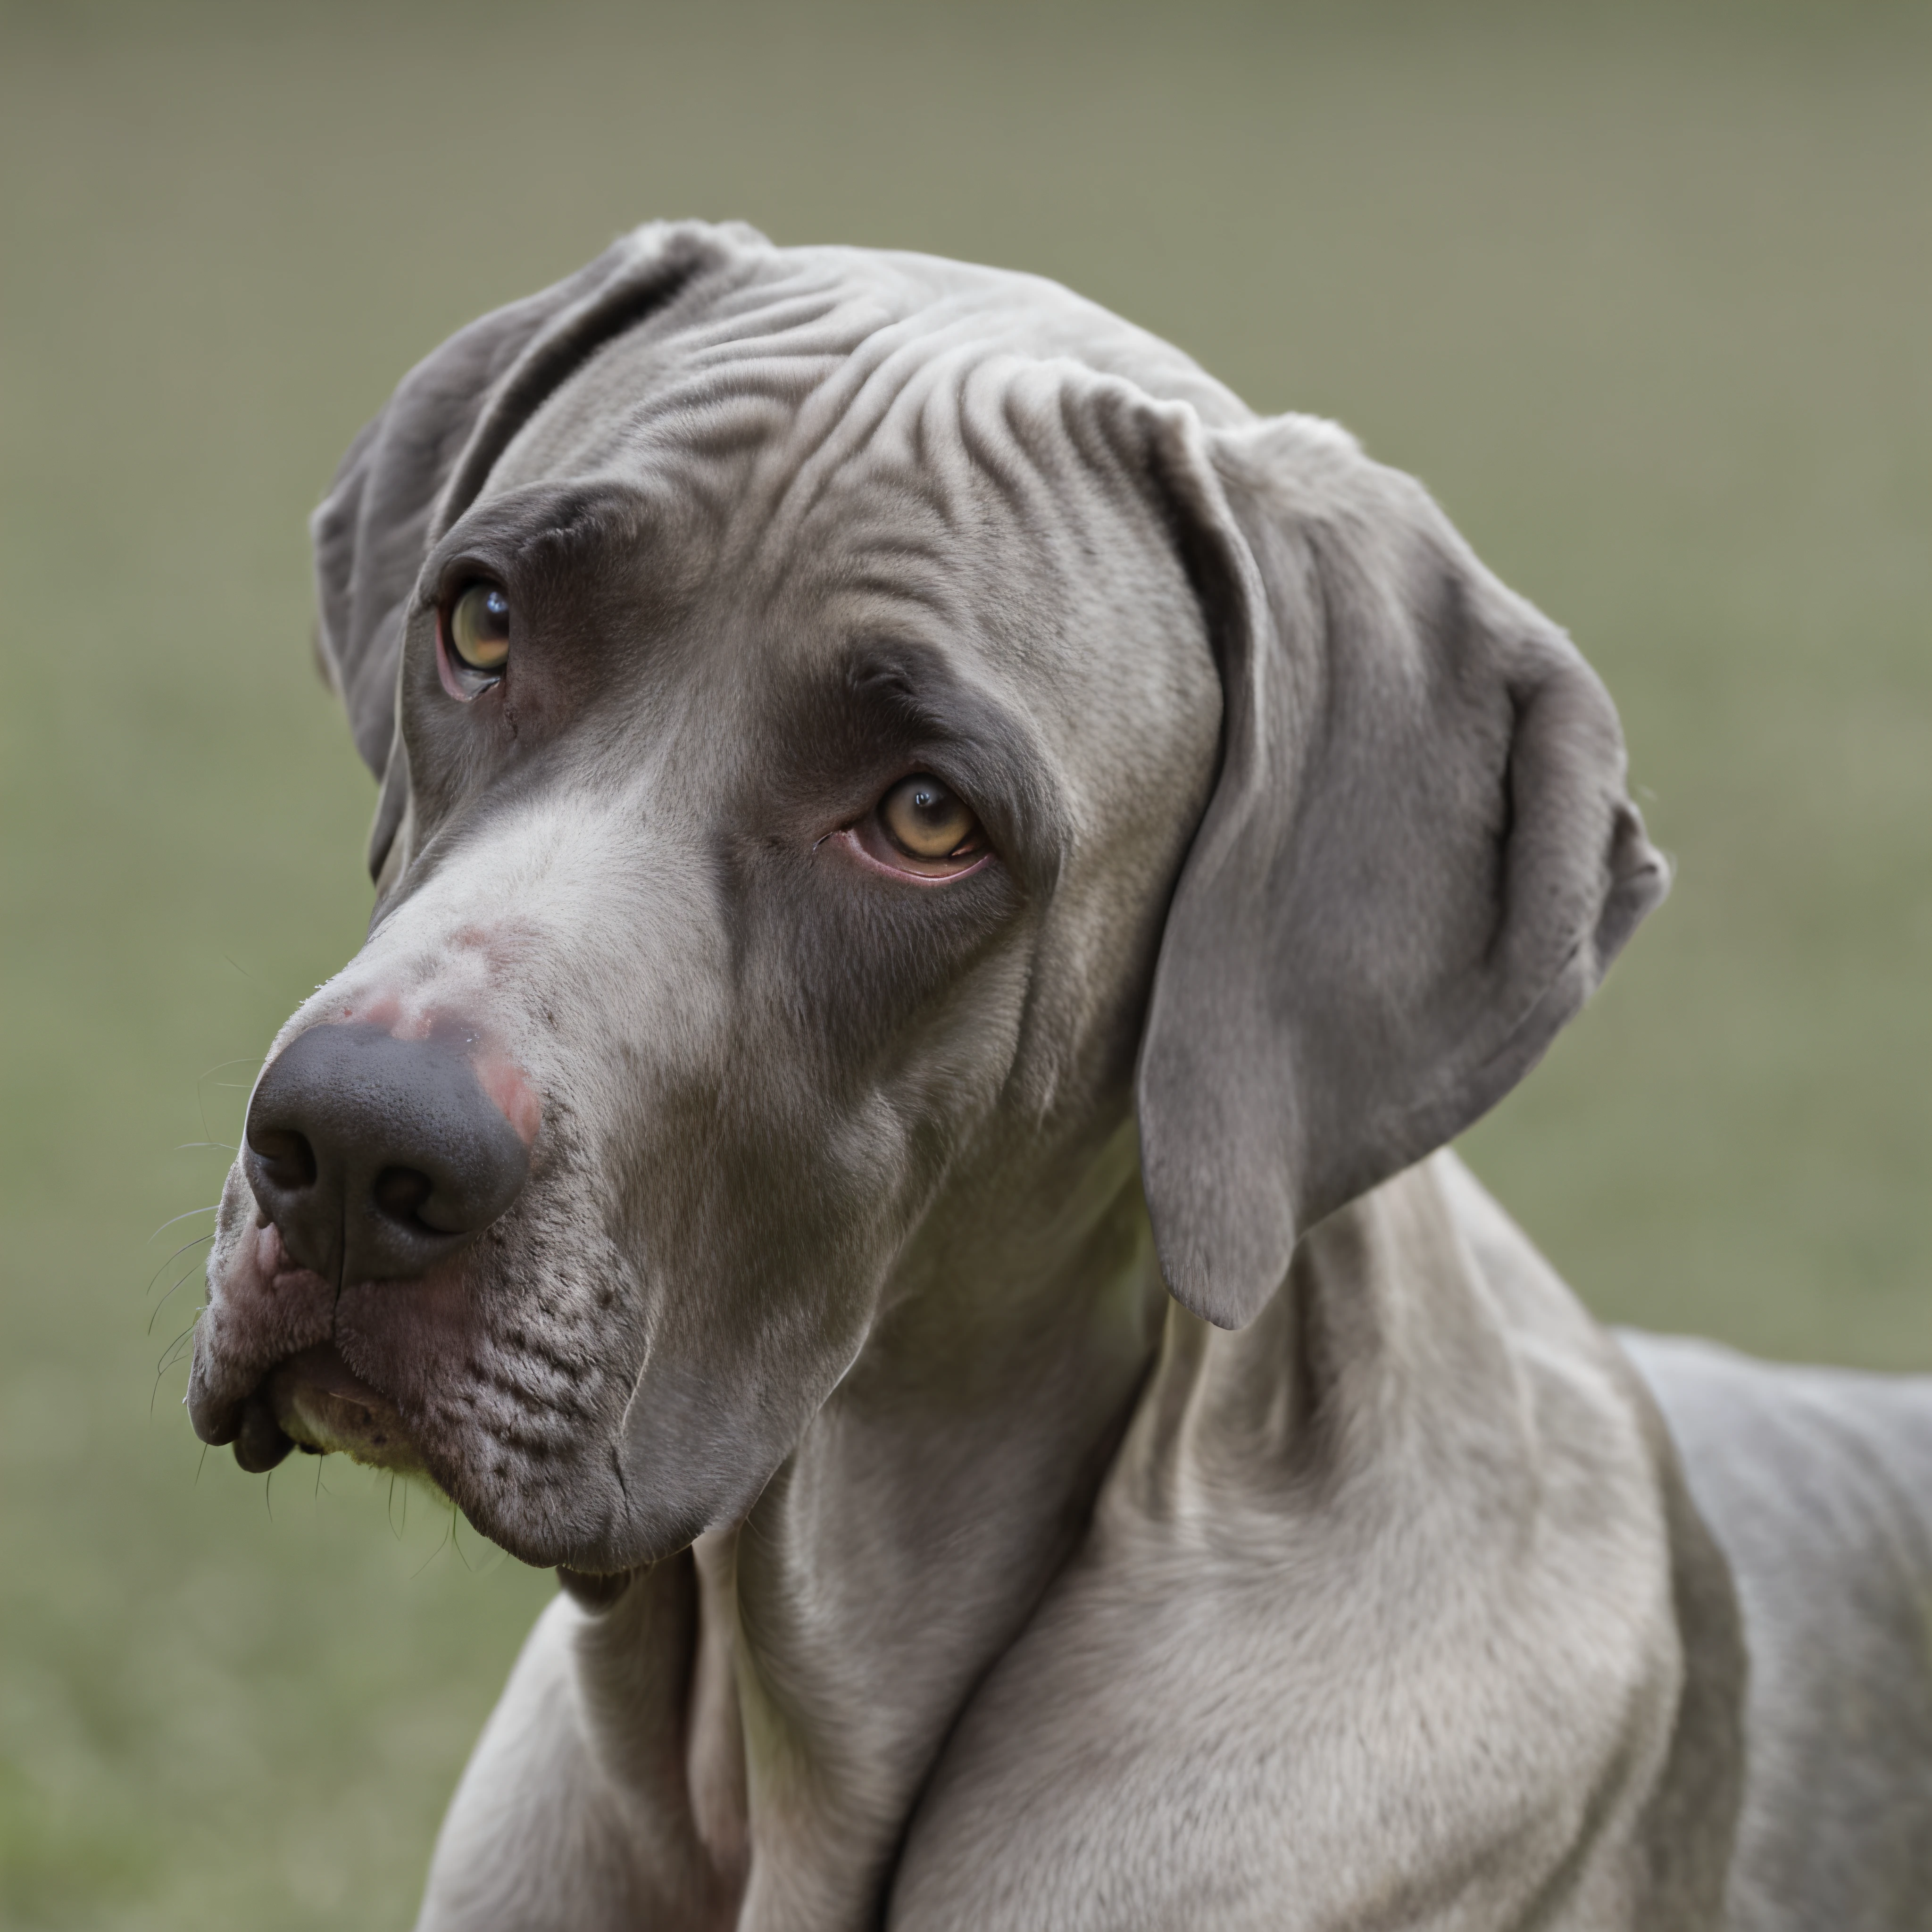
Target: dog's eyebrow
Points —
{"points": [[886, 680], [542, 527], [906, 690]]}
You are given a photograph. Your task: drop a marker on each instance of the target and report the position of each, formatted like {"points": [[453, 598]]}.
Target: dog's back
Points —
{"points": [[1817, 1483]]}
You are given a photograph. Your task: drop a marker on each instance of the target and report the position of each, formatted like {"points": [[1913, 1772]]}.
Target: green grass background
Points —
{"points": [[1645, 296]]}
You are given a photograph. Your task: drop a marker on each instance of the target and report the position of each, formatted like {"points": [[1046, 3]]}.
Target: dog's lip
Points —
{"points": [[322, 1405]]}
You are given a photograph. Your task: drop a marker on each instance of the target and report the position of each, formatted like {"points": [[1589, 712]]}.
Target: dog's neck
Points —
{"points": [[806, 1688], [905, 1543], [903, 1547], [834, 1637]]}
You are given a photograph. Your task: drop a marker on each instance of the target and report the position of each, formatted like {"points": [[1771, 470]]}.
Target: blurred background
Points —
{"points": [[1644, 294]]}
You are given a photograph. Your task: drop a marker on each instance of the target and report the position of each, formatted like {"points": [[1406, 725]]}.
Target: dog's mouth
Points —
{"points": [[314, 1401]]}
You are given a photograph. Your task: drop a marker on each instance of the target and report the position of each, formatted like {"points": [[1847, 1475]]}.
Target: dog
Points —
{"points": [[942, 887]]}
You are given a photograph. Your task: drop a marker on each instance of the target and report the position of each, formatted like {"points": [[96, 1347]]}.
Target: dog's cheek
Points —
{"points": [[847, 969], [451, 760]]}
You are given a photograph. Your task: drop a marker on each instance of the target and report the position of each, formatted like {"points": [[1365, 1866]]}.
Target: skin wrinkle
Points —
{"points": [[848, 414]]}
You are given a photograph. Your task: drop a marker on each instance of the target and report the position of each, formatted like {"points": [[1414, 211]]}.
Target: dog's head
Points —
{"points": [[860, 736]]}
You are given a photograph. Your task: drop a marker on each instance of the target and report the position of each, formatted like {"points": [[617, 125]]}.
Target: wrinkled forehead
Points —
{"points": [[908, 447]]}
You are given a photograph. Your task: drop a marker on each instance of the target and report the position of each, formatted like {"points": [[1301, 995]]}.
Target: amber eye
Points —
{"points": [[479, 627], [926, 820]]}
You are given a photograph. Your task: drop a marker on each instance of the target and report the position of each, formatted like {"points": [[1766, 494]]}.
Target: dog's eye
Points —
{"points": [[479, 627], [929, 821]]}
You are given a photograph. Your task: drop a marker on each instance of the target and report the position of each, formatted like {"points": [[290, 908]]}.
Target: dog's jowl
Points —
{"points": [[941, 888]]}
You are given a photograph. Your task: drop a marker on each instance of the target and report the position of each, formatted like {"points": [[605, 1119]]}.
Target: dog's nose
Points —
{"points": [[376, 1157]]}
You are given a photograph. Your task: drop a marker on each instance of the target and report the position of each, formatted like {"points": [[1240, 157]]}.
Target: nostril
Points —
{"points": [[375, 1156], [401, 1193], [286, 1157]]}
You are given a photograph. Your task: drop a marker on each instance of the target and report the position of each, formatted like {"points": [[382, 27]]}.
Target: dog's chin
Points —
{"points": [[315, 1402], [560, 1513]]}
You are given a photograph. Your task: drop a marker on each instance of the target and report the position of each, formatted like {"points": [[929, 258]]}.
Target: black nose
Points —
{"points": [[376, 1157]]}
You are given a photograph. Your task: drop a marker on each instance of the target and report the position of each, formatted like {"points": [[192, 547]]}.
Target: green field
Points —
{"points": [[1645, 296]]}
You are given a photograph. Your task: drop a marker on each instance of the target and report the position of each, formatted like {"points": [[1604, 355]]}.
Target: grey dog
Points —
{"points": [[942, 886]]}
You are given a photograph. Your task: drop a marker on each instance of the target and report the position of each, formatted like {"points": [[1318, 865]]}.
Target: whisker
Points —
{"points": [[210, 1209], [172, 1353], [168, 1355], [220, 1065], [185, 1274], [456, 1538], [433, 1554], [494, 1554], [185, 1147], [172, 1259]]}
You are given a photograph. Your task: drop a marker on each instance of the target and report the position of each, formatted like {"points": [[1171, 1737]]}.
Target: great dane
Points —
{"points": [[942, 887]]}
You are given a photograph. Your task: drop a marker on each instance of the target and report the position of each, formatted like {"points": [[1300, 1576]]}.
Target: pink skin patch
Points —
{"points": [[509, 1086], [499, 1076], [386, 1010]]}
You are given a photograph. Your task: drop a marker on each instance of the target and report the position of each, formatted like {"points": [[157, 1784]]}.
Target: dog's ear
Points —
{"points": [[422, 461], [1417, 863]]}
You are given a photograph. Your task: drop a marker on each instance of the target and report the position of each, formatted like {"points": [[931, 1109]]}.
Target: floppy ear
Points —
{"points": [[422, 461], [1417, 861]]}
